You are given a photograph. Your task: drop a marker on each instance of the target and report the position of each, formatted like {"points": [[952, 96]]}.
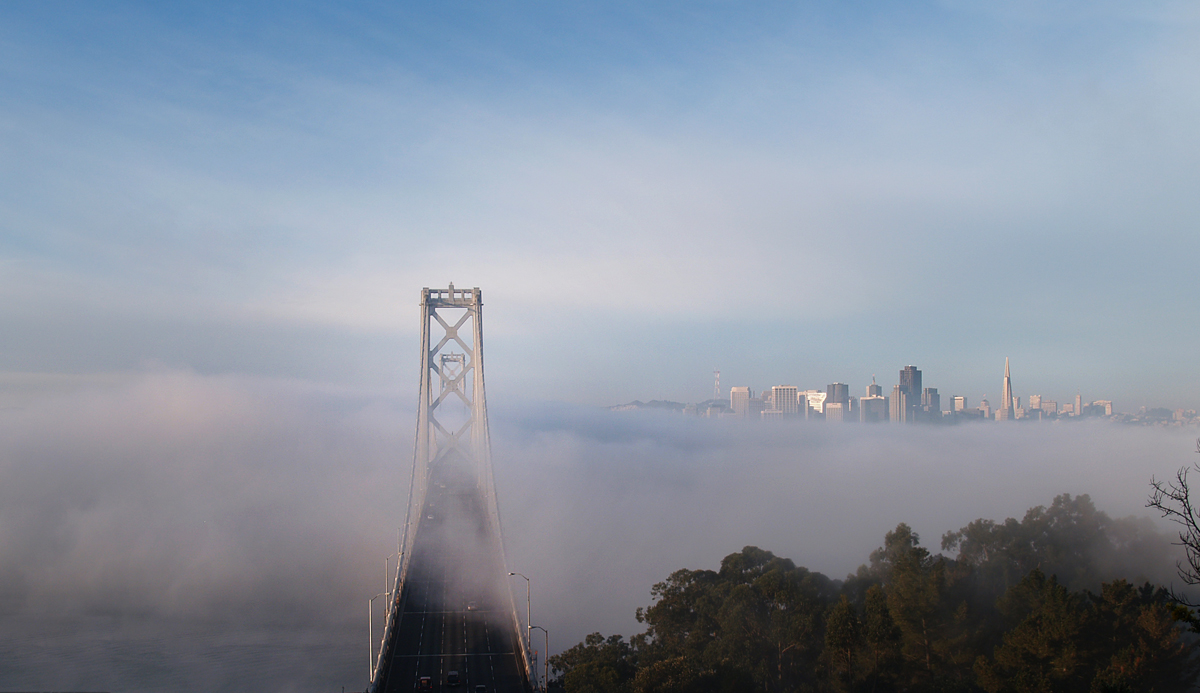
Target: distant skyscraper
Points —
{"points": [[739, 400], [837, 412], [873, 408], [1035, 402], [910, 383], [960, 403], [898, 411], [785, 399], [931, 404], [1078, 411], [1005, 411], [815, 400], [837, 392], [985, 408], [874, 390]]}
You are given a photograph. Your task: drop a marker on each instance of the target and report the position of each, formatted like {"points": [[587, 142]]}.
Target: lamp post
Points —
{"points": [[545, 656], [528, 645], [387, 575], [371, 635]]}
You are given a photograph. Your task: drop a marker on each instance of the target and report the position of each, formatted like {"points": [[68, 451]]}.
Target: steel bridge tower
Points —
{"points": [[451, 610]]}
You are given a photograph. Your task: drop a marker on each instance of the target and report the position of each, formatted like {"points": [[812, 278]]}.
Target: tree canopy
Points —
{"points": [[1032, 605]]}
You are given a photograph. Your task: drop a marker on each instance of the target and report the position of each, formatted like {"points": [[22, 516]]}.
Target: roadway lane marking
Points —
{"points": [[450, 655]]}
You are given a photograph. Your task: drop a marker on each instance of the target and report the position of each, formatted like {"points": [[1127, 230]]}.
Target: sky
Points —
{"points": [[794, 193]]}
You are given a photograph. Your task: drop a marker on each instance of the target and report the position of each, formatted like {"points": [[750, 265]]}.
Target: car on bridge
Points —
{"points": [[425, 683], [452, 679]]}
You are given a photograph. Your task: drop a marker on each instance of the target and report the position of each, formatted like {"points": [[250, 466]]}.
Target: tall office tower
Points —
{"points": [[931, 404], [898, 411], [815, 399], [1078, 411], [837, 412], [785, 400], [739, 400], [874, 390], [960, 403], [1035, 402], [985, 408], [837, 402], [910, 382], [873, 409], [1050, 407], [1005, 411]]}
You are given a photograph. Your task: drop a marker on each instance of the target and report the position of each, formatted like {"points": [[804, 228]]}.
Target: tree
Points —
{"points": [[881, 636], [1122, 639], [925, 599], [597, 665], [1136, 642], [1070, 539], [760, 620], [1041, 651], [1174, 500], [842, 638]]}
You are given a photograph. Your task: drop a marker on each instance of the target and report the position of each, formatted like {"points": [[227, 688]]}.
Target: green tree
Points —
{"points": [[925, 599], [882, 639], [1136, 639], [685, 674], [760, 617], [843, 639], [1041, 652], [597, 665]]}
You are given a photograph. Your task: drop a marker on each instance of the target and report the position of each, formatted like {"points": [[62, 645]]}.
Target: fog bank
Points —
{"points": [[601, 505], [171, 530]]}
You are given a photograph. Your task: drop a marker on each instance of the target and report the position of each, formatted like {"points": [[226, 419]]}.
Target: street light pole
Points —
{"points": [[528, 642], [371, 636], [387, 578], [545, 657]]}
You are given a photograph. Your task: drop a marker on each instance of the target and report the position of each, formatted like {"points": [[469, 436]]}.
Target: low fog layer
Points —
{"points": [[213, 532], [601, 505], [184, 532]]}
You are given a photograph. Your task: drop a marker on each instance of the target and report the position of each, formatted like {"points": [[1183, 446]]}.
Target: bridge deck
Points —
{"points": [[456, 610]]}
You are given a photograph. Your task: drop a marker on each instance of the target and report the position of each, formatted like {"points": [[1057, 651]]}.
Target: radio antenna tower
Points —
{"points": [[717, 384]]}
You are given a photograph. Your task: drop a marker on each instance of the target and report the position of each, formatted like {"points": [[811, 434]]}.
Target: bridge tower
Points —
{"points": [[458, 396], [452, 524]]}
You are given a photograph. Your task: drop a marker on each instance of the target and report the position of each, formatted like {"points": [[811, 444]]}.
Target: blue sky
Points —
{"points": [[795, 193]]}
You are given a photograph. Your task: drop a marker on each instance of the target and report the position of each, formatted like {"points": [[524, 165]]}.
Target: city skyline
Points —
{"points": [[908, 402]]}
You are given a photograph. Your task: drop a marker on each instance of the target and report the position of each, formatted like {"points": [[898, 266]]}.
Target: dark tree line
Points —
{"points": [[1029, 605]]}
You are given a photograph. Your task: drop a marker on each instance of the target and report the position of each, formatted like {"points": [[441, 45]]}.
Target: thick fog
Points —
{"points": [[170, 530], [602, 505], [185, 532]]}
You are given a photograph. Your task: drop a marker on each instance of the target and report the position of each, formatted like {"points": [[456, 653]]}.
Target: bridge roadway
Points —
{"points": [[456, 611]]}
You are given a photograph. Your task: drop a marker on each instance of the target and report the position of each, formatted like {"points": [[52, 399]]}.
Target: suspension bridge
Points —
{"points": [[450, 620]]}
